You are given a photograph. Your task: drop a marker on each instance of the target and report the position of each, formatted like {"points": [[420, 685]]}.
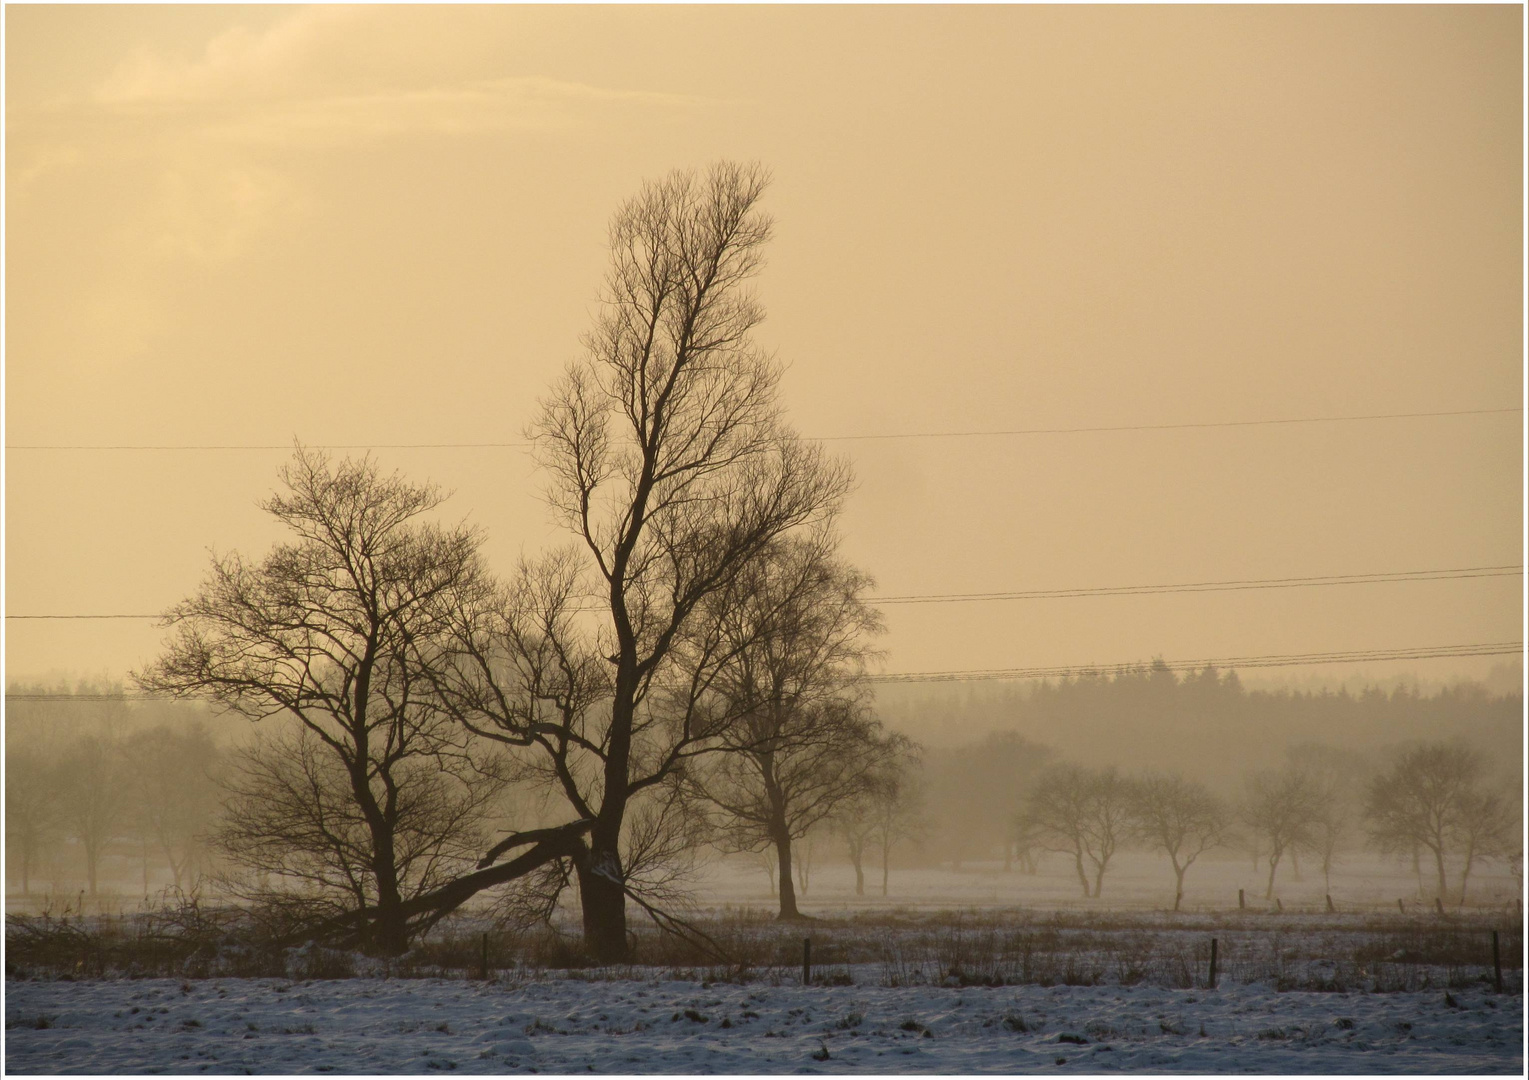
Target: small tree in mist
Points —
{"points": [[1085, 813], [976, 791], [94, 799], [1283, 810], [1489, 829], [1337, 774], [1181, 818], [173, 782], [34, 789], [367, 795], [887, 813], [1422, 801], [1026, 841], [791, 640]]}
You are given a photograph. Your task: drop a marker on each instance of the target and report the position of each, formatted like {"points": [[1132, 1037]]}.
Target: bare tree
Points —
{"points": [[94, 799], [175, 794], [1180, 818], [1026, 841], [888, 812], [1086, 814], [1488, 829], [1422, 801], [33, 813], [671, 466], [330, 633], [793, 634], [1282, 809]]}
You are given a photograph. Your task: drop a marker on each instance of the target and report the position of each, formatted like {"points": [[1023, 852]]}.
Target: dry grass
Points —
{"points": [[1367, 952]]}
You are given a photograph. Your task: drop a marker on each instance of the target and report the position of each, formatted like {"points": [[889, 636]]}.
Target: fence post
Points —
{"points": [[1241, 900], [1329, 903], [1401, 905], [1278, 906], [1496, 964], [806, 961], [1212, 963], [1438, 903]]}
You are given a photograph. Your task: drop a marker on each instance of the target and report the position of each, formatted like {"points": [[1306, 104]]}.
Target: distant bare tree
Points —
{"points": [[801, 744], [33, 814], [175, 794], [1488, 830], [1085, 813], [372, 795], [671, 466], [887, 813], [1026, 840], [94, 798], [1180, 818], [1282, 809], [1422, 802]]}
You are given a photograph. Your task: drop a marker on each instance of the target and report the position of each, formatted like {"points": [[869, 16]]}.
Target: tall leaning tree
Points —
{"points": [[671, 466]]}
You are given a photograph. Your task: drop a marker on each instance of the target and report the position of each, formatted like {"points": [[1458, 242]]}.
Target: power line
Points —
{"points": [[1350, 656], [1357, 656], [1376, 578], [822, 438], [1454, 574]]}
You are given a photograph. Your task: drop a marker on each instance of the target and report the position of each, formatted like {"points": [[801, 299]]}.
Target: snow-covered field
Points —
{"points": [[1115, 962], [560, 1024]]}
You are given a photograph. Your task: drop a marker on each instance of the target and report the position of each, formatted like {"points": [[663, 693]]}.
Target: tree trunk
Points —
{"points": [[1438, 857], [1008, 855], [1295, 863], [856, 857], [1077, 858], [1273, 865], [1099, 881], [788, 909], [1178, 886], [603, 903], [886, 859]]}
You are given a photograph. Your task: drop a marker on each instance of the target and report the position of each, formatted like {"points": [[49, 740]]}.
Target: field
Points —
{"points": [[970, 971]]}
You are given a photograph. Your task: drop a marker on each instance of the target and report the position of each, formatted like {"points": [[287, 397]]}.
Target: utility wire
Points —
{"points": [[1357, 656], [1455, 574], [822, 438], [1376, 578], [1350, 656]]}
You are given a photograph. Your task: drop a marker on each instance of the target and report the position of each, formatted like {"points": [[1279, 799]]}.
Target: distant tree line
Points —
{"points": [[88, 778]]}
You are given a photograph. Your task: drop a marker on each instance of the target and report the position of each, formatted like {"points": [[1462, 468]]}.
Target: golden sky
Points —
{"points": [[378, 225]]}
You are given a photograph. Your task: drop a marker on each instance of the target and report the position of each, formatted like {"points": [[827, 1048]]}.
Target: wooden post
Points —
{"points": [[1401, 905], [1330, 903], [485, 956], [1496, 964], [1438, 903], [1212, 963], [1241, 900], [1279, 906]]}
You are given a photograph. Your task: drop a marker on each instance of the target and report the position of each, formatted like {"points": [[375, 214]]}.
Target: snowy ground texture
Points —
{"points": [[569, 1024]]}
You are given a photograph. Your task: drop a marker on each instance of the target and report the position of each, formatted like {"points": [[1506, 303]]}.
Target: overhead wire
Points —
{"points": [[1081, 430], [1372, 578], [1268, 660]]}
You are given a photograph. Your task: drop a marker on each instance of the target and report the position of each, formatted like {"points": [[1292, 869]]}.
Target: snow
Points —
{"points": [[562, 1023]]}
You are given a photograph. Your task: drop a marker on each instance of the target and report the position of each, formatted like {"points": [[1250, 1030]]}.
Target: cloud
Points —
{"points": [[327, 75]]}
